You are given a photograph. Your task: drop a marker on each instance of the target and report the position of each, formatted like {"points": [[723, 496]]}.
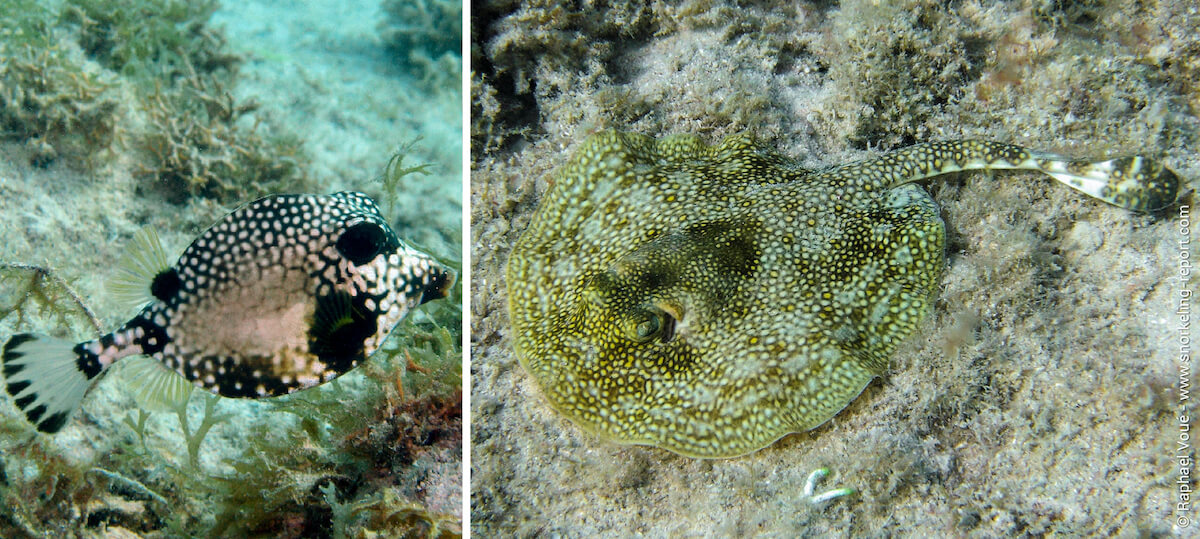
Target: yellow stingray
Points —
{"points": [[712, 299]]}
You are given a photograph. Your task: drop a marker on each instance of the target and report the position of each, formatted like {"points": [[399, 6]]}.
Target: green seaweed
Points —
{"points": [[396, 517], [195, 437], [432, 350], [424, 36], [52, 488], [173, 67], [429, 28], [344, 514], [903, 61], [48, 99], [140, 37], [31, 294], [387, 515], [196, 143], [197, 147], [138, 425], [395, 170]]}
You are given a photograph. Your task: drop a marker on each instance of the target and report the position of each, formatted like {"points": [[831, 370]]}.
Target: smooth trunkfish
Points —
{"points": [[285, 293]]}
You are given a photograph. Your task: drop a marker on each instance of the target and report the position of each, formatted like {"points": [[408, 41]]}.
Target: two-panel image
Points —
{"points": [[419, 268]]}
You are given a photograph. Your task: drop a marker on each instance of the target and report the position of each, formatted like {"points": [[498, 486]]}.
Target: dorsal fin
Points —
{"points": [[145, 259]]}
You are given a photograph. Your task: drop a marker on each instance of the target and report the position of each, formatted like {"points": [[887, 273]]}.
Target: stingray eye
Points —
{"points": [[648, 327], [647, 324], [361, 242]]}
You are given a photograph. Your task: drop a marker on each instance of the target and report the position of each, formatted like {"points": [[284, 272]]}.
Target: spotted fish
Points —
{"points": [[711, 299], [285, 293]]}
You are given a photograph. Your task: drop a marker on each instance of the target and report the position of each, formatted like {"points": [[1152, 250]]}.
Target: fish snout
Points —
{"points": [[438, 283]]}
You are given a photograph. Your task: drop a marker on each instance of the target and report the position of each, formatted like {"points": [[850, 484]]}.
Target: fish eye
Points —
{"points": [[361, 242], [647, 324]]}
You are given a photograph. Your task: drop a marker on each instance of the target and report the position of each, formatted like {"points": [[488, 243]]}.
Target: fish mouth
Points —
{"points": [[439, 285]]}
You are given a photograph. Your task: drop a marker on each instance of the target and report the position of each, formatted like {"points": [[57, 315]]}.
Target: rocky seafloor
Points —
{"points": [[1042, 394]]}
